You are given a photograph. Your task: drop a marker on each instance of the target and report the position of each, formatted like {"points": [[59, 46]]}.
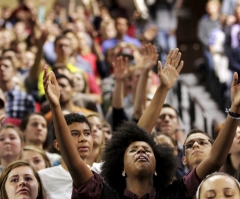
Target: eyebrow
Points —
{"points": [[145, 147], [17, 175], [194, 140]]}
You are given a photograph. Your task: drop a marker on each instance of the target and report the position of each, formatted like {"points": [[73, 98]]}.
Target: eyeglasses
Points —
{"points": [[201, 142]]}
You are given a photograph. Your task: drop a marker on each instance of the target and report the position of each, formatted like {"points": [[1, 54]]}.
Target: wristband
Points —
{"points": [[233, 115]]}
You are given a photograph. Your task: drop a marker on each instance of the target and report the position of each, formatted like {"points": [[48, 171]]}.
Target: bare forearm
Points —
{"points": [[140, 97], [149, 117], [77, 168], [118, 94], [36, 69], [220, 147], [225, 138]]}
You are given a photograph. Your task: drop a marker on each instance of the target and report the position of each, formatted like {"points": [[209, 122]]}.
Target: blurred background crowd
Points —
{"points": [[80, 39]]}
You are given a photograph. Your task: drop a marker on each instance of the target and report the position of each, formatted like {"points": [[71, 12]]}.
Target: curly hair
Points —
{"points": [[113, 157]]}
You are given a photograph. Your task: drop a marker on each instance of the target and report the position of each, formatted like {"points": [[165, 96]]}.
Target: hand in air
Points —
{"points": [[173, 66], [51, 87]]}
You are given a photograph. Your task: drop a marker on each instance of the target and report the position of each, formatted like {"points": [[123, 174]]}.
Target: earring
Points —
{"points": [[123, 173], [155, 173]]}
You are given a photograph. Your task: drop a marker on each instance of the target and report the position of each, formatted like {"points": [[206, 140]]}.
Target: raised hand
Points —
{"points": [[235, 91], [173, 66], [51, 87], [1, 119], [120, 68], [43, 37], [150, 56]]}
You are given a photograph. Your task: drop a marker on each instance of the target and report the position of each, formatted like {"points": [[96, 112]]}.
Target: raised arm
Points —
{"points": [[225, 137], [120, 73], [1, 119], [78, 169], [120, 68], [168, 77], [36, 68], [149, 60]]}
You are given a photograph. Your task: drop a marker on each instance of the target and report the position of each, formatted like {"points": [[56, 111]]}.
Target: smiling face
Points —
{"points": [[36, 130], [139, 160], [219, 186], [197, 148], [35, 159], [10, 144], [21, 184]]}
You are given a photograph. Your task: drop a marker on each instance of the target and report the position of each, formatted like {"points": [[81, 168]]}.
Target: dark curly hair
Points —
{"points": [[113, 165]]}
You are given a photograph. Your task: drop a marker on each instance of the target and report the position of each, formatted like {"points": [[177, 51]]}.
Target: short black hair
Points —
{"points": [[113, 155], [62, 36], [72, 118], [194, 131], [170, 106], [62, 76], [7, 58]]}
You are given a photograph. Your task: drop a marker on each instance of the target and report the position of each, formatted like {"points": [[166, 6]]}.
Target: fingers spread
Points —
{"points": [[179, 68]]}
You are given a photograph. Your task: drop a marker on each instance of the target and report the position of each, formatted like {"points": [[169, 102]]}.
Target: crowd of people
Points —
{"points": [[83, 112]]}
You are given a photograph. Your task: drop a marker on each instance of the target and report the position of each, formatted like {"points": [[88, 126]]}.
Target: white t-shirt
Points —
{"points": [[57, 182]]}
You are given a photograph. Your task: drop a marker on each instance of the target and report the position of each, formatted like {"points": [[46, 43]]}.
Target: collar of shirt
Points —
{"points": [[150, 195]]}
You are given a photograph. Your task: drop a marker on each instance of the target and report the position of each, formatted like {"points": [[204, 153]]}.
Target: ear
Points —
{"points": [[55, 144], [184, 160]]}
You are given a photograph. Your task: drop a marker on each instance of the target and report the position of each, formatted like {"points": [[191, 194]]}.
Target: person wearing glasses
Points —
{"points": [[197, 147]]}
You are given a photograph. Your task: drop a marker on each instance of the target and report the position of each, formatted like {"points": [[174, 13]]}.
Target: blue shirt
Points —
{"points": [[111, 43]]}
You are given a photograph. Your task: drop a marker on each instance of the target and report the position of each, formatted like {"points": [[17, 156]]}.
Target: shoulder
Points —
{"points": [[109, 193], [53, 172]]}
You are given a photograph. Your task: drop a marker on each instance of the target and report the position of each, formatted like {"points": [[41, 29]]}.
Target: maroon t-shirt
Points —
{"points": [[93, 188]]}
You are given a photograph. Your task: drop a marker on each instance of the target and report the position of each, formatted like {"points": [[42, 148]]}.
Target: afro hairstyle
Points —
{"points": [[113, 157]]}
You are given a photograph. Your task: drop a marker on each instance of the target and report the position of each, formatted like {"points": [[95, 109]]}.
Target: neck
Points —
{"points": [[7, 86], [6, 161], [62, 60], [67, 106], [235, 160], [64, 165], [119, 36], [36, 144], [139, 187], [93, 156], [84, 51], [214, 16]]}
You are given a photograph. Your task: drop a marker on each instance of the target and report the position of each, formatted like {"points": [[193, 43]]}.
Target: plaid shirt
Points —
{"points": [[18, 104]]}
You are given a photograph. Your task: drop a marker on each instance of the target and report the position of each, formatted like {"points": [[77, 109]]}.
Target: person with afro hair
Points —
{"points": [[146, 170]]}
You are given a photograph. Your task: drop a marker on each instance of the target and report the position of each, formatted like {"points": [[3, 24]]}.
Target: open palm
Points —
{"points": [[150, 56], [120, 68], [51, 87], [169, 74]]}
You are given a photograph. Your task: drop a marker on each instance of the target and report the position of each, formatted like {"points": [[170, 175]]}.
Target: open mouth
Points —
{"points": [[142, 158]]}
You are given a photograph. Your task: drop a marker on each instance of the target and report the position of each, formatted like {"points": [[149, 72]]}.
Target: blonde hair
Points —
{"points": [[39, 151], [98, 159]]}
